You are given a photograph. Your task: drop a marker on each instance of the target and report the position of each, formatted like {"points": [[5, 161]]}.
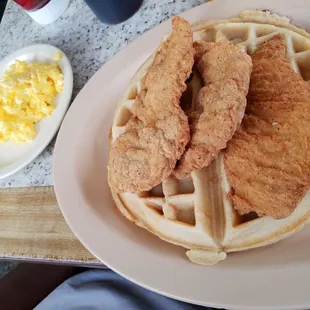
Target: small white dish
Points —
{"points": [[15, 156]]}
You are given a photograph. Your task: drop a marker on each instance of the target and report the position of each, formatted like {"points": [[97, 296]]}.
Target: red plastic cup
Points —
{"points": [[32, 5], [43, 11]]}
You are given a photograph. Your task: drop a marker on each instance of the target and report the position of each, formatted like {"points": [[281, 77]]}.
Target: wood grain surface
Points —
{"points": [[33, 228]]}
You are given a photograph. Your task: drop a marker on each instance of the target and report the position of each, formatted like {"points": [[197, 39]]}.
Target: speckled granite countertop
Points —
{"points": [[88, 44]]}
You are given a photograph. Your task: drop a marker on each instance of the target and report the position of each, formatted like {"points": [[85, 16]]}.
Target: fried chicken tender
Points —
{"points": [[268, 160], [156, 135], [225, 69]]}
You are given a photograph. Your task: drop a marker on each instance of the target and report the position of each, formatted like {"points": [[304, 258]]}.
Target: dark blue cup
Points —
{"points": [[114, 11]]}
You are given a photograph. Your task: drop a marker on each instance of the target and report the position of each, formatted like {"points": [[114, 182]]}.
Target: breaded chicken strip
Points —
{"points": [[158, 132], [225, 69], [268, 160]]}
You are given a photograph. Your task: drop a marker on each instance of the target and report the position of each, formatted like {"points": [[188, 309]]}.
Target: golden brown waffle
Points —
{"points": [[195, 212]]}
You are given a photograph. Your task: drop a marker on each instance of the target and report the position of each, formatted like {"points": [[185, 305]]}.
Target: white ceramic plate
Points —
{"points": [[14, 156], [274, 277]]}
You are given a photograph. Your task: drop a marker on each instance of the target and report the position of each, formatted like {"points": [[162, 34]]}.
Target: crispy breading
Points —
{"points": [[158, 132], [268, 160], [225, 69]]}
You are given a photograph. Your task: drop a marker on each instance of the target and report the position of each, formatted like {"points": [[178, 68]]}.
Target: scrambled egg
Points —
{"points": [[27, 93], [57, 56]]}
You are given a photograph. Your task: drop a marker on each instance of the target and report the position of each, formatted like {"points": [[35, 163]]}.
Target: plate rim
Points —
{"points": [[34, 48], [59, 190]]}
